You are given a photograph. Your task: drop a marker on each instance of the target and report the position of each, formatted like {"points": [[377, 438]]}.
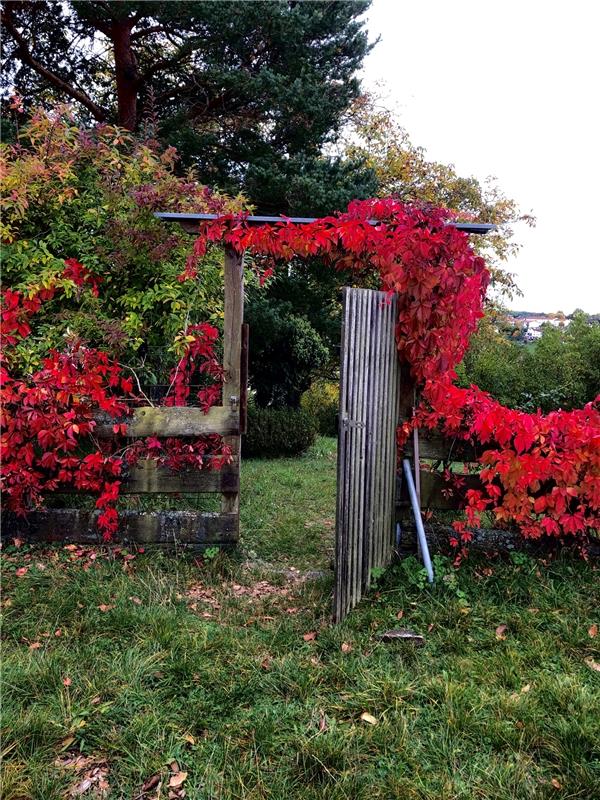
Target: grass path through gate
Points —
{"points": [[118, 671]]}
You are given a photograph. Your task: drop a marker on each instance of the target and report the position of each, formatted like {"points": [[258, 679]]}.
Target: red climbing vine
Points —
{"points": [[539, 472], [48, 418]]}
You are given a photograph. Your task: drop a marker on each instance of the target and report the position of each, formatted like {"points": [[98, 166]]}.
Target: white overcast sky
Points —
{"points": [[508, 89]]}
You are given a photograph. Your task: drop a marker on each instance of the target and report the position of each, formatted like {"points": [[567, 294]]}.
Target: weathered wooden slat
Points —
{"points": [[245, 351], [176, 421], [340, 474], [433, 446], [361, 418], [353, 423], [434, 491], [392, 421], [162, 527], [147, 478]]}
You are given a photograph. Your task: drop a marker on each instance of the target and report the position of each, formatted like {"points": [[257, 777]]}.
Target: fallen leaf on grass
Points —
{"points": [[266, 663], [35, 645], [58, 632], [593, 664], [104, 607], [310, 636], [593, 631], [95, 700], [556, 783], [151, 783], [21, 572], [501, 632], [176, 780], [189, 738], [524, 690], [67, 681], [400, 614], [366, 717], [346, 647], [136, 600], [67, 742]]}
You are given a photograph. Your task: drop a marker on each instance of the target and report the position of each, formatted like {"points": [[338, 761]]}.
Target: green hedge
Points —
{"points": [[321, 402], [278, 432]]}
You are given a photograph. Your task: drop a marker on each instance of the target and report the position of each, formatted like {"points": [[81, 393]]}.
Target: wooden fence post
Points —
{"points": [[232, 353]]}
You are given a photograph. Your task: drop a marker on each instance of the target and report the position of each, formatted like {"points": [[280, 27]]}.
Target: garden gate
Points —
{"points": [[369, 395]]}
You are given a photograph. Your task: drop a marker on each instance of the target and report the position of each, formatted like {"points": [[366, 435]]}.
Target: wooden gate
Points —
{"points": [[369, 391]]}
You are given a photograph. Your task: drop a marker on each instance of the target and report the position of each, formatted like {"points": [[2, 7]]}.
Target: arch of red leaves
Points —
{"points": [[539, 472]]}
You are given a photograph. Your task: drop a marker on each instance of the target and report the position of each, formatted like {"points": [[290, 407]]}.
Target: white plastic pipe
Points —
{"points": [[414, 501]]}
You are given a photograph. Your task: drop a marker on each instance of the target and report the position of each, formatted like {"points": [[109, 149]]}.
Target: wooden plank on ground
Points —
{"points": [[176, 421], [159, 527]]}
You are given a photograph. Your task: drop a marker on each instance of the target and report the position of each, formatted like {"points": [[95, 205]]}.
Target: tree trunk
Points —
{"points": [[126, 71]]}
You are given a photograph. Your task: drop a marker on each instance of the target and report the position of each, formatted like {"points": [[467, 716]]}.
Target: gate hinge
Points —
{"points": [[352, 423]]}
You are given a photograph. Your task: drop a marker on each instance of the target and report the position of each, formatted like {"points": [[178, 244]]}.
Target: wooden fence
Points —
{"points": [[229, 420]]}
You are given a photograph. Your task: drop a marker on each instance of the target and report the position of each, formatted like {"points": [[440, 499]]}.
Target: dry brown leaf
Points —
{"points": [[67, 681], [95, 700], [524, 690], [366, 717], [323, 724], [67, 742], [310, 636], [177, 779], [58, 632], [35, 645], [266, 663], [400, 614], [593, 631], [104, 607], [189, 738], [151, 783], [593, 664], [556, 783], [346, 647], [501, 632], [136, 600], [174, 766]]}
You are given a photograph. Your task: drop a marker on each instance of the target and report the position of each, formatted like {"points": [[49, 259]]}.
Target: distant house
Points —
{"points": [[532, 323]]}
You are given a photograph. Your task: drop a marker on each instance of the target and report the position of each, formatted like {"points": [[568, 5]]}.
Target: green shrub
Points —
{"points": [[278, 432], [285, 352], [321, 402]]}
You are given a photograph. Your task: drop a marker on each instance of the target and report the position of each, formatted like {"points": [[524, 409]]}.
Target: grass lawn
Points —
{"points": [[224, 678]]}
